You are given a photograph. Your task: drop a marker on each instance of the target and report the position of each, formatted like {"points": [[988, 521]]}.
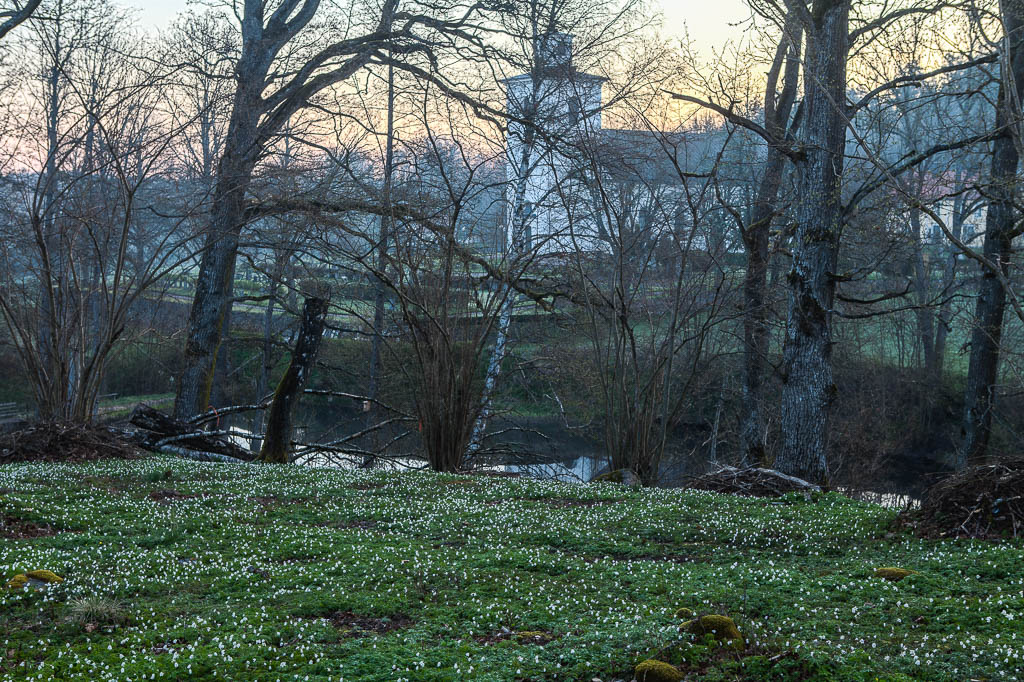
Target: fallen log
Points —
{"points": [[751, 482], [159, 430]]}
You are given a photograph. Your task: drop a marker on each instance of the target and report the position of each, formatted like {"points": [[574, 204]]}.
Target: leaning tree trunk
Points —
{"points": [[983, 371], [212, 299], [278, 438], [808, 388]]}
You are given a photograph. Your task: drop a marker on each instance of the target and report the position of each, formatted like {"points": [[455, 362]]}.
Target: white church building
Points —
{"points": [[576, 186]]}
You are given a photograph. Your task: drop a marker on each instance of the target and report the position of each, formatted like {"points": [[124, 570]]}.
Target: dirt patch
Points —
{"points": [[53, 442], [751, 482], [354, 625], [984, 501], [538, 637], [363, 524], [367, 485], [563, 502], [169, 495], [17, 529]]}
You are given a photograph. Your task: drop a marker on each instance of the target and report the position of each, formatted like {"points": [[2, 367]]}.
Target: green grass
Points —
{"points": [[261, 572]]}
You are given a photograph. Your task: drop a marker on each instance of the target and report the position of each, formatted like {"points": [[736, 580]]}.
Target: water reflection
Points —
{"points": [[579, 470]]}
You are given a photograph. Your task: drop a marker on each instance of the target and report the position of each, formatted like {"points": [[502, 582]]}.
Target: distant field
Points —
{"points": [[180, 570]]}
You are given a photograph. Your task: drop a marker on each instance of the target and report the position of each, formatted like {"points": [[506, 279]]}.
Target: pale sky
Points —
{"points": [[708, 21]]}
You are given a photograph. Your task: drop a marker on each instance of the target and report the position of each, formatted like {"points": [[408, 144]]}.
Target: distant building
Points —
{"points": [[564, 175]]}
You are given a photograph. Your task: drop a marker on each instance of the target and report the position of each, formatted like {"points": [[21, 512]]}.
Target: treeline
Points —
{"points": [[451, 216]]}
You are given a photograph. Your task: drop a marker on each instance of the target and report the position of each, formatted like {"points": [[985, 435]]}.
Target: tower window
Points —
{"points": [[574, 111]]}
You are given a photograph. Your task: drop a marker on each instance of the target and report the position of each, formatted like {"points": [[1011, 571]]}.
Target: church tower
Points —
{"points": [[556, 104]]}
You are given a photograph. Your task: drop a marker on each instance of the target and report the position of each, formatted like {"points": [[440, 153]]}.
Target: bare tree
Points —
{"points": [[70, 278], [14, 13], [651, 285], [277, 77], [1001, 226]]}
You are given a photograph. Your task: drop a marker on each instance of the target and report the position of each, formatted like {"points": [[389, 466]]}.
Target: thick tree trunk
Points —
{"points": [[278, 438], [983, 371], [808, 388], [222, 367], [217, 267]]}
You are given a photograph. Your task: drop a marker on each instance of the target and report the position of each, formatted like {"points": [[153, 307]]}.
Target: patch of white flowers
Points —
{"points": [[219, 586]]}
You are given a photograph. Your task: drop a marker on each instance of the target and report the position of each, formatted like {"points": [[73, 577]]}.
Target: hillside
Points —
{"points": [[175, 570]]}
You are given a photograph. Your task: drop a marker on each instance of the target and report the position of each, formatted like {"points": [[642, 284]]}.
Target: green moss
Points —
{"points": [[684, 613], [608, 477], [17, 582], [722, 627], [45, 576], [657, 671], [623, 476], [893, 573]]}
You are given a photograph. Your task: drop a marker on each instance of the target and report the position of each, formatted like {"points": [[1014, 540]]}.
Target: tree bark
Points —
{"points": [[222, 366], [983, 370], [808, 388], [217, 267], [255, 119], [278, 438], [756, 333]]}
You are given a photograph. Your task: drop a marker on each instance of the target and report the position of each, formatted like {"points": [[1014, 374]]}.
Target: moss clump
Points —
{"points": [[17, 582], [722, 627], [657, 671], [45, 576], [893, 573], [608, 477], [533, 637], [684, 613], [623, 476]]}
